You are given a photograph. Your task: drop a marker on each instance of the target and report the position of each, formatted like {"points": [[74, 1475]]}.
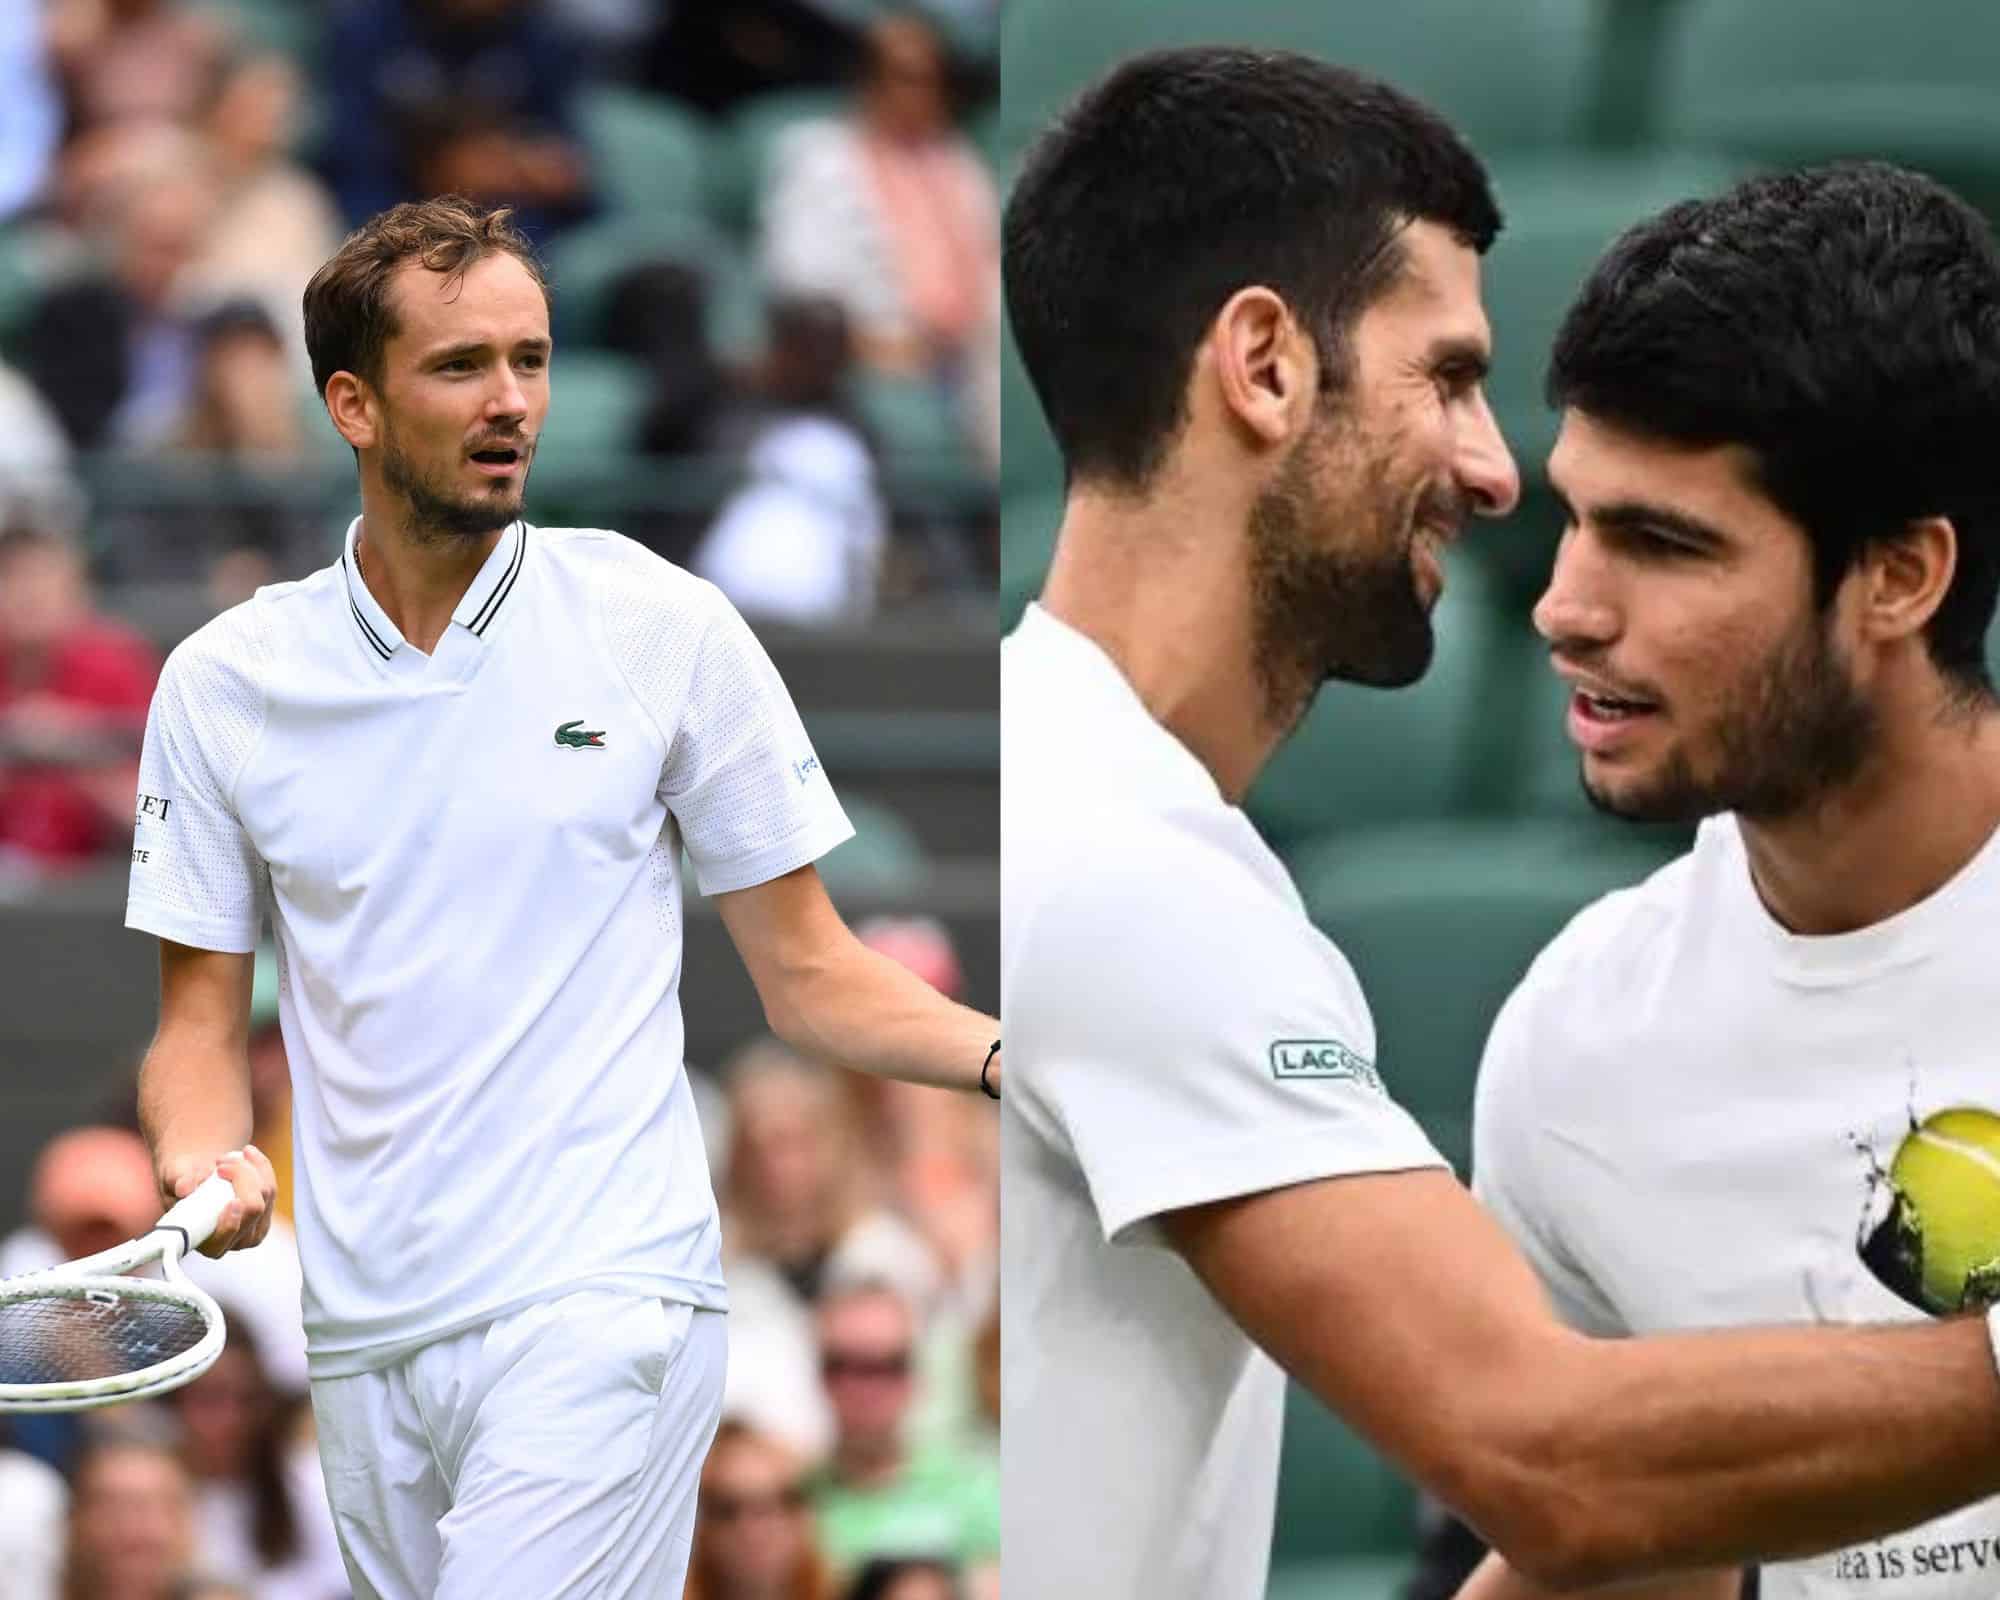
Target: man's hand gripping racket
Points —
{"points": [[88, 1333]]}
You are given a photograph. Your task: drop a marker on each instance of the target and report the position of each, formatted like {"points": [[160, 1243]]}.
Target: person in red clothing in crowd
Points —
{"points": [[74, 687]]}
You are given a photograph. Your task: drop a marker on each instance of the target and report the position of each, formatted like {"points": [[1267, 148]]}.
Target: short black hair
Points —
{"points": [[1840, 323], [1184, 176]]}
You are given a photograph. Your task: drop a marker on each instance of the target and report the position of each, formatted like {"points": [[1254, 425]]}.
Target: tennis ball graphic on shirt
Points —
{"points": [[1932, 1232]]}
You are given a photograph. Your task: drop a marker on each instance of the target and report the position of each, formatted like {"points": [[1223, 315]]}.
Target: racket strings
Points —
{"points": [[82, 1335]]}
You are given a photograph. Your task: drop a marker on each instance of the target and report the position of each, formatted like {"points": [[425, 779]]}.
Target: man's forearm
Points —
{"points": [[194, 1102], [1727, 1447], [863, 1010]]}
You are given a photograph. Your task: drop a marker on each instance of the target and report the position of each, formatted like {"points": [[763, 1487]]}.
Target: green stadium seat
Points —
{"points": [[1440, 921], [584, 262], [1028, 524], [985, 131], [743, 148], [1029, 460], [1788, 82], [1365, 756], [1622, 98], [596, 399], [293, 28], [1561, 215], [911, 418], [1337, 1498], [21, 280], [1443, 51], [885, 855], [1342, 1578], [652, 154]]}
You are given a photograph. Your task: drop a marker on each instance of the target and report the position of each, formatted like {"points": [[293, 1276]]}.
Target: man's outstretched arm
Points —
{"points": [[826, 994], [1399, 1302]]}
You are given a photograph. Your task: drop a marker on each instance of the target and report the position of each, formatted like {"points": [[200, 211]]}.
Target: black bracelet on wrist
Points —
{"points": [[986, 1088]]}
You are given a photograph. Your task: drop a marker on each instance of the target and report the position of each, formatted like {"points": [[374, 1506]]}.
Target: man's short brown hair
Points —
{"points": [[349, 320]]}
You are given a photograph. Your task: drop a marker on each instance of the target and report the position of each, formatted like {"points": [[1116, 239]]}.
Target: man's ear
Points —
{"points": [[1266, 369], [1904, 578], [355, 411]]}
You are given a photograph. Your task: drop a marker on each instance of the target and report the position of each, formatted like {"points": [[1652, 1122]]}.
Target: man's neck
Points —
{"points": [[1162, 592], [418, 583], [868, 1463], [1925, 804]]}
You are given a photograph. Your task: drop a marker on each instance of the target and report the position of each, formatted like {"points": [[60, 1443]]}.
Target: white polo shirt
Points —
{"points": [[473, 863], [1177, 1032], [1689, 1117]]}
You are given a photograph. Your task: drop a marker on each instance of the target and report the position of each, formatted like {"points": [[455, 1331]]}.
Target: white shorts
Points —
{"points": [[553, 1452]]}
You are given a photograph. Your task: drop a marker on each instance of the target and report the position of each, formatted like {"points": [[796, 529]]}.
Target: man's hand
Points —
{"points": [[248, 1217]]}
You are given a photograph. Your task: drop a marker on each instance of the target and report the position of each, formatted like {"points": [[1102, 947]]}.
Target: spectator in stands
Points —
{"points": [[245, 404], [93, 1188], [245, 414], [36, 480], [796, 1193], [800, 1209], [34, 112], [131, 1522], [134, 60], [891, 211], [657, 312], [753, 1535], [880, 1493], [944, 1167], [113, 350], [261, 1515], [274, 221], [33, 1505], [803, 541], [902, 1579], [457, 96], [715, 57], [74, 687]]}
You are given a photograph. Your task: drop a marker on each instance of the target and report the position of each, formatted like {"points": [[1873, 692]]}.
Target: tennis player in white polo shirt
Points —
{"points": [[1246, 288], [460, 766]]}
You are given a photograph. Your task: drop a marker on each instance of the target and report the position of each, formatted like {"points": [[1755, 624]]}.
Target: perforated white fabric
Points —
{"points": [[472, 860], [741, 777], [190, 855]]}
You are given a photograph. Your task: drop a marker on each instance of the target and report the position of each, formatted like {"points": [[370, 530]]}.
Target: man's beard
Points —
{"points": [[1332, 591], [437, 515], [1785, 736]]}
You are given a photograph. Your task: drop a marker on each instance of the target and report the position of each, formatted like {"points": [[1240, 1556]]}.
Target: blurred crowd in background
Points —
{"points": [[771, 232], [772, 243], [859, 1455]]}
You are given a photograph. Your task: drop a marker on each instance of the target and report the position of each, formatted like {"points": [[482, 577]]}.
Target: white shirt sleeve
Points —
{"points": [[740, 775], [196, 878], [1190, 1037], [1508, 1168]]}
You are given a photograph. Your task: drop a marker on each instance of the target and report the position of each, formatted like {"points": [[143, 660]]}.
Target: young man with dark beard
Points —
{"points": [[1764, 1085], [1246, 288]]}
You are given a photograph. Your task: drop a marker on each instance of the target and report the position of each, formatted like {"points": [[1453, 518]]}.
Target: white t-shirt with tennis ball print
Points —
{"points": [[1690, 1117], [1177, 1032], [472, 861]]}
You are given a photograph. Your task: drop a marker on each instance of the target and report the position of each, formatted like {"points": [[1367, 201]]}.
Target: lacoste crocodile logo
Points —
{"points": [[574, 736]]}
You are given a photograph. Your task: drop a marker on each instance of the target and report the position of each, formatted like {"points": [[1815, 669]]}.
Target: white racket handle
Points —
{"points": [[197, 1214]]}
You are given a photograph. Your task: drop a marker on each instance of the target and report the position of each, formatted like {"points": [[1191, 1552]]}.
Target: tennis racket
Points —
{"points": [[88, 1333]]}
